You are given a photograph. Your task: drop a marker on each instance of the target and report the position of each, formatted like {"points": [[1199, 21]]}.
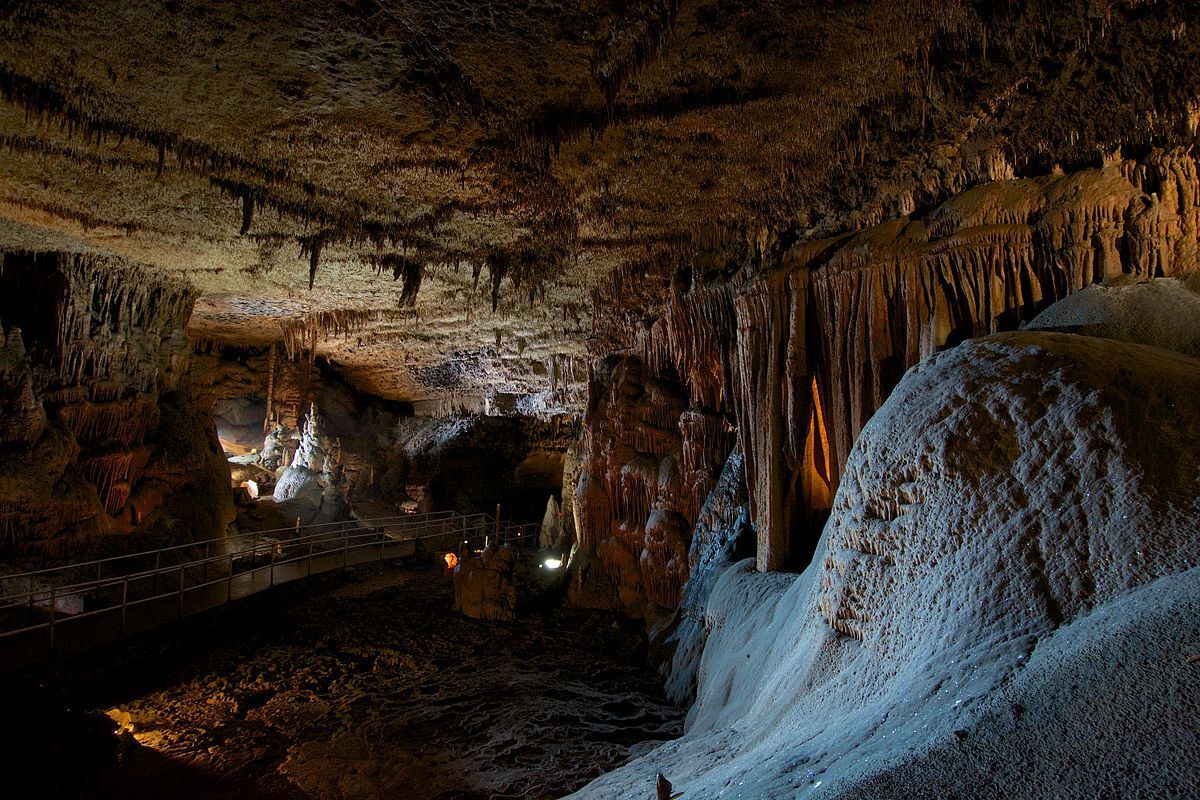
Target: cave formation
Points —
{"points": [[464, 400]]}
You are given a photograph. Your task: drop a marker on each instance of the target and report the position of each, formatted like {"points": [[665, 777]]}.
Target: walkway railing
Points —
{"points": [[72, 607]]}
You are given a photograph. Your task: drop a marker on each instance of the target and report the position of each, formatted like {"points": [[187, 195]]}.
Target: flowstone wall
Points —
{"points": [[798, 356], [104, 425], [1007, 582]]}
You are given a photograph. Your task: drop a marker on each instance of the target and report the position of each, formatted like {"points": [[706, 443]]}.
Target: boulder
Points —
{"points": [[1164, 312], [485, 587], [1003, 601]]}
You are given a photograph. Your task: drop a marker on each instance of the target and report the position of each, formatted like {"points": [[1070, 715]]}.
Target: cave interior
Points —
{"points": [[645, 398]]}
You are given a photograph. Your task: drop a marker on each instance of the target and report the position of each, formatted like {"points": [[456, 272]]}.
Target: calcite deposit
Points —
{"points": [[896, 296], [801, 355], [313, 485], [105, 422], [484, 584], [1013, 530]]}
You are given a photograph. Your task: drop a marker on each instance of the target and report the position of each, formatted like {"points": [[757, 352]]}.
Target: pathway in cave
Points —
{"points": [[365, 685]]}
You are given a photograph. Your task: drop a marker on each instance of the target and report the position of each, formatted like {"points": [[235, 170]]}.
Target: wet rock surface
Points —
{"points": [[369, 686]]}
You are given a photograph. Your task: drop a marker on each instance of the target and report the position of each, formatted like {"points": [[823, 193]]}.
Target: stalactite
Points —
{"points": [[106, 342], [269, 419], [124, 422], [845, 318], [498, 264], [247, 212], [409, 271], [311, 246], [804, 353], [301, 336], [112, 474]]}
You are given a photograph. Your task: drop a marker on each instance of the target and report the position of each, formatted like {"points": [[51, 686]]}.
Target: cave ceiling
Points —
{"points": [[443, 191]]}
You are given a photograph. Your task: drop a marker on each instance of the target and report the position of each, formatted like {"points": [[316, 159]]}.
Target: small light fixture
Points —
{"points": [[552, 563]]}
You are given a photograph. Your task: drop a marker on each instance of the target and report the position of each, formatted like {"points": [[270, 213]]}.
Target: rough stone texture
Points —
{"points": [[362, 686], [847, 317], [313, 486], [1163, 312], [1018, 505], [22, 416], [649, 463], [485, 585], [466, 176], [805, 353], [103, 423]]}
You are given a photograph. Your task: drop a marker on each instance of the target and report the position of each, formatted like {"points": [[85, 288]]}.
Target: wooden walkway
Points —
{"points": [[61, 612]]}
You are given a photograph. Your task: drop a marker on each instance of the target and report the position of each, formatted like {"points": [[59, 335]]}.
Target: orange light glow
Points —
{"points": [[451, 560]]}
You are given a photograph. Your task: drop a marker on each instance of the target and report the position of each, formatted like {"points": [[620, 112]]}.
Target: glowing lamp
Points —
{"points": [[552, 563], [451, 560]]}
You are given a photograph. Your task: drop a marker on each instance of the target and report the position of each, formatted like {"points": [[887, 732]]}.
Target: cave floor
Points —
{"points": [[364, 684]]}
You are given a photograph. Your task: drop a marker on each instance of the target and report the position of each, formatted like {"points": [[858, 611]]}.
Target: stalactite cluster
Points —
{"points": [[122, 421], [301, 336], [93, 348], [652, 452], [75, 112], [568, 382], [804, 352], [409, 271]]}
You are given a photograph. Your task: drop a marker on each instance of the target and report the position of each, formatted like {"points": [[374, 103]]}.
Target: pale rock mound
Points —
{"points": [[1164, 312], [552, 527], [723, 526], [1007, 580]]}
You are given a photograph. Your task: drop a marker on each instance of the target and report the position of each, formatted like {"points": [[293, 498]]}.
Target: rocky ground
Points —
{"points": [[357, 685]]}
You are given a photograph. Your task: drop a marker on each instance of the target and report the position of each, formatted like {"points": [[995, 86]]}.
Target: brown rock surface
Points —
{"points": [[801, 355], [485, 585], [102, 425], [431, 194]]}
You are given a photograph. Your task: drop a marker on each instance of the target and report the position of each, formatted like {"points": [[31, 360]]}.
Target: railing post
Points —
{"points": [[272, 567], [124, 603], [53, 611], [206, 551], [310, 554], [382, 542], [229, 582], [345, 544], [181, 577]]}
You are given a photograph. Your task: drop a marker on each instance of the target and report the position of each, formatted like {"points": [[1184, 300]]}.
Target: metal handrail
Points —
{"points": [[431, 515], [407, 523], [256, 549], [354, 535]]}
